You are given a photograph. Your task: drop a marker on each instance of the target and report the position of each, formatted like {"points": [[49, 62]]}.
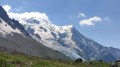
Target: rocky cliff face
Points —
{"points": [[11, 24]]}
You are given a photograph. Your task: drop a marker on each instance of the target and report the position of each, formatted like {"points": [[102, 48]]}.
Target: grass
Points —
{"points": [[12, 60]]}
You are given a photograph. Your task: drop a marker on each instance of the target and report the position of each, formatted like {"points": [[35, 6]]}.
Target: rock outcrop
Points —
{"points": [[116, 63]]}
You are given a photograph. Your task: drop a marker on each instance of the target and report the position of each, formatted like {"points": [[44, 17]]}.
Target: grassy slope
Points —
{"points": [[12, 60]]}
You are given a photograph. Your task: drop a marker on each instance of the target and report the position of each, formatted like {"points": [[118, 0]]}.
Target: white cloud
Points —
{"points": [[16, 9], [90, 21], [81, 15], [107, 19], [26, 15], [7, 7]]}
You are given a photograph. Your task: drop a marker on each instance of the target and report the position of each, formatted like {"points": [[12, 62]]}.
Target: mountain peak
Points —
{"points": [[68, 27]]}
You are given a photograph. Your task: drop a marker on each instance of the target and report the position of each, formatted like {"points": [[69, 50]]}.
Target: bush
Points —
{"points": [[100, 60], [90, 63], [79, 60], [4, 63]]}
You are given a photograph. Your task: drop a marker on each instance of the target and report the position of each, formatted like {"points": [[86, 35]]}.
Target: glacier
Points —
{"points": [[65, 39]]}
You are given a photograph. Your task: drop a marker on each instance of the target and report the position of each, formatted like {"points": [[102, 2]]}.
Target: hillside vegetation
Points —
{"points": [[12, 60]]}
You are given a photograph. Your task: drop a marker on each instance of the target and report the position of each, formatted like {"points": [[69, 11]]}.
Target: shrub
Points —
{"points": [[79, 60], [100, 60], [4, 63]]}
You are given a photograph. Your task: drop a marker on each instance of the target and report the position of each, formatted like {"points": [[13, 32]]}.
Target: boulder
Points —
{"points": [[116, 63]]}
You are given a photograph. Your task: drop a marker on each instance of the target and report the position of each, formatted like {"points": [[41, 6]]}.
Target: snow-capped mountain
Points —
{"points": [[13, 36], [52, 36], [67, 40]]}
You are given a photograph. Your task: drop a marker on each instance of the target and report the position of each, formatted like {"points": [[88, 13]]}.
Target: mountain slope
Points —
{"points": [[65, 39], [13, 36], [105, 56]]}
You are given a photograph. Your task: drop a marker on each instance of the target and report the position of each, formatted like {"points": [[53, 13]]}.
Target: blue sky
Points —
{"points": [[104, 29]]}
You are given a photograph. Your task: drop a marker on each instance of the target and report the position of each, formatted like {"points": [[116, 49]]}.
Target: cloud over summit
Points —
{"points": [[6, 7], [90, 21], [28, 15]]}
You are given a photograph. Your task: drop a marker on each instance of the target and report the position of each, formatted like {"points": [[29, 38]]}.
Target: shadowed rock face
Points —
{"points": [[16, 24], [3, 15], [12, 22]]}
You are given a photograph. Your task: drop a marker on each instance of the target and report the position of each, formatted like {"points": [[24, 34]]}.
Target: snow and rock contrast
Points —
{"points": [[13, 36], [65, 39]]}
